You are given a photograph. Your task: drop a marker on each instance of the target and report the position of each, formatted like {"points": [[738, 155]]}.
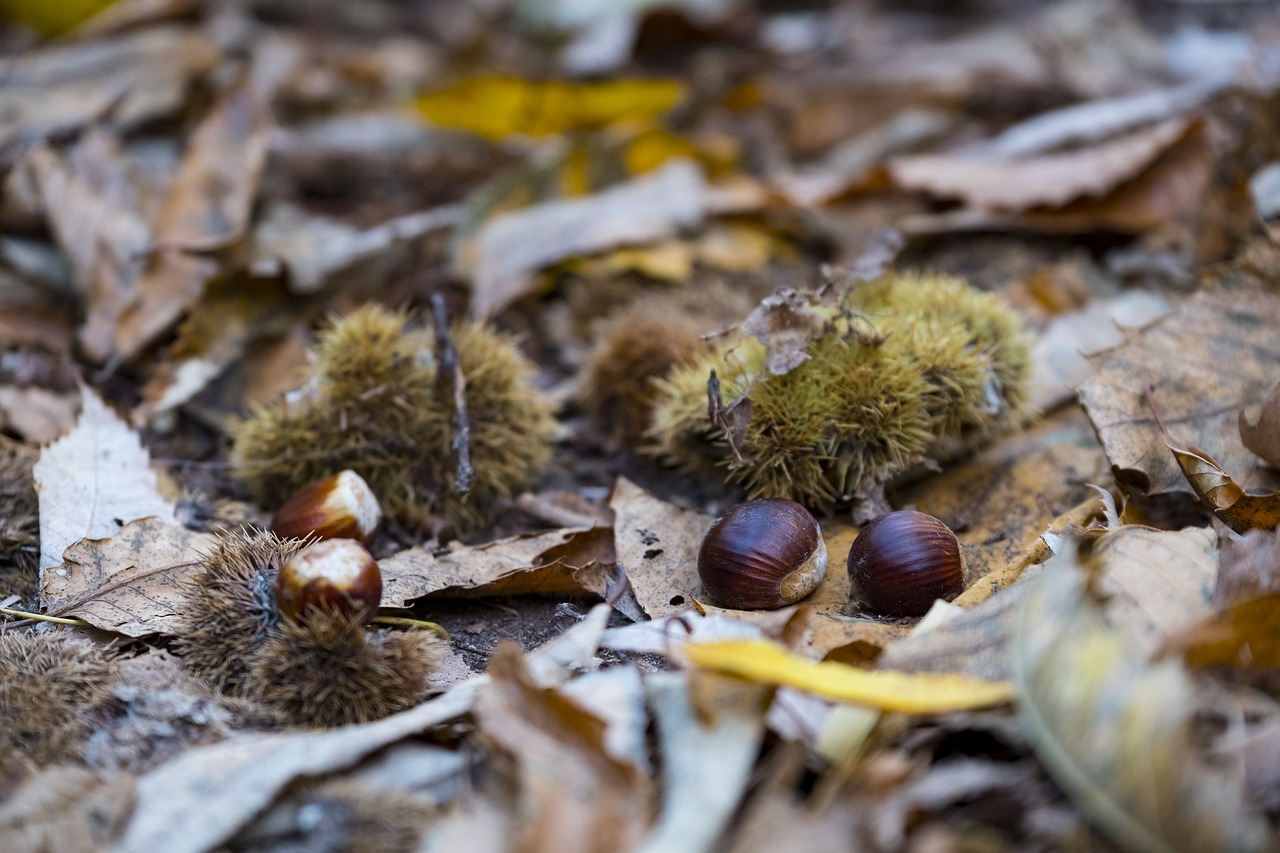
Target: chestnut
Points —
{"points": [[332, 574], [762, 554], [903, 561], [339, 507]]}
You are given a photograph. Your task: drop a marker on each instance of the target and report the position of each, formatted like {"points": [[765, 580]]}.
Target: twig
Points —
{"points": [[40, 617], [412, 623], [452, 384]]}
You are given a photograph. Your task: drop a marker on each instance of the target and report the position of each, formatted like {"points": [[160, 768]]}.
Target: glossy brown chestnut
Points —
{"points": [[334, 574], [903, 561], [338, 507], [762, 554]]}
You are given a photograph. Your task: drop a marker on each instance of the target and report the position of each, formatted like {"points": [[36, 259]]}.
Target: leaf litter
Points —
{"points": [[193, 198]]}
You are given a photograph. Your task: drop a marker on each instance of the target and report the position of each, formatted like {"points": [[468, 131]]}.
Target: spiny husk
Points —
{"points": [[19, 521], [328, 670], [646, 341], [373, 408], [231, 607], [50, 684], [926, 365]]}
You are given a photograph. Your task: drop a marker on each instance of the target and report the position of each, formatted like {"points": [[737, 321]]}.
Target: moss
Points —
{"points": [[50, 684], [374, 408], [944, 369]]}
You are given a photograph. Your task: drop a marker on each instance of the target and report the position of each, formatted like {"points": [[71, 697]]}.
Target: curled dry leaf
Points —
{"points": [[1263, 435], [569, 561], [1115, 732]]}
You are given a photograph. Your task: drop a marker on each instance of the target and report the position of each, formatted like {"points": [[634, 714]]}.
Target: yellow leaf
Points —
{"points": [[498, 107], [51, 18], [915, 693]]}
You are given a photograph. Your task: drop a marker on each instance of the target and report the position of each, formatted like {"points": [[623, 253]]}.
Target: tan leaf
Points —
{"points": [[1248, 567], [207, 207], [1203, 362], [505, 253], [657, 544], [66, 808], [1245, 634], [550, 562], [709, 732], [1048, 180], [136, 77], [92, 481], [131, 583], [36, 414], [559, 746], [1115, 732], [1263, 436]]}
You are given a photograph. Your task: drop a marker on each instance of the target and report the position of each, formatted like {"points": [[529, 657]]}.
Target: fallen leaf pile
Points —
{"points": [[483, 256]]}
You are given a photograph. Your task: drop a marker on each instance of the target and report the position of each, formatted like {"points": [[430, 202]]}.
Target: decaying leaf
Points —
{"points": [[230, 782], [207, 207], [1203, 362], [1263, 435], [1115, 732], [767, 663], [557, 745], [1244, 634], [135, 78], [707, 750], [66, 808], [510, 248], [657, 545], [1049, 180], [1248, 567], [94, 480], [130, 583], [559, 561]]}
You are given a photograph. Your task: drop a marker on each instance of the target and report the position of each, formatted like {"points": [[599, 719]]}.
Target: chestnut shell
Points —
{"points": [[762, 554], [332, 574], [902, 562]]}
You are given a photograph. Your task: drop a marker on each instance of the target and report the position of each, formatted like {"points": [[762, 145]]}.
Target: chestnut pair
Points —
{"points": [[769, 553]]}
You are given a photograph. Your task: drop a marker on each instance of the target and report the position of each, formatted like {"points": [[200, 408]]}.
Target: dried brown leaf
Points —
{"points": [[558, 745], [66, 808], [657, 545], [1238, 510], [1203, 362], [1263, 435], [131, 583], [207, 207], [558, 561], [1046, 180], [1244, 634]]}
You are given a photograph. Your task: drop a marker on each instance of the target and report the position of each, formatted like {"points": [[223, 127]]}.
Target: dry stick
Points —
{"points": [[40, 617], [451, 383], [413, 623]]}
